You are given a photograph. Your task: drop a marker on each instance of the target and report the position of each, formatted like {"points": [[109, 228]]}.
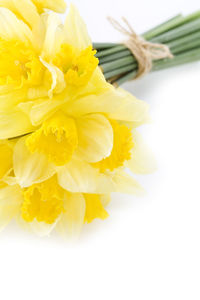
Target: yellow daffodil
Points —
{"points": [[63, 198], [45, 206], [66, 134]]}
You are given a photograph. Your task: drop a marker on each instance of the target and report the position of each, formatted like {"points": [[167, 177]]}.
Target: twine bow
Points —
{"points": [[144, 52]]}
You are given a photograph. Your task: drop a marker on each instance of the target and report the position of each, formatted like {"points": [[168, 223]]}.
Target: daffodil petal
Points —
{"points": [[7, 3], [43, 110], [8, 100], [13, 28], [72, 220], [55, 5], [95, 136], [30, 168], [53, 38], [14, 123], [105, 199], [6, 155], [6, 88], [76, 30], [116, 103], [10, 201], [142, 161], [124, 183], [58, 81], [27, 10], [41, 229], [58, 6], [79, 177]]}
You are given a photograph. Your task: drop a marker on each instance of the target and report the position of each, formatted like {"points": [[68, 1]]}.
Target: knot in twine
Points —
{"points": [[144, 52]]}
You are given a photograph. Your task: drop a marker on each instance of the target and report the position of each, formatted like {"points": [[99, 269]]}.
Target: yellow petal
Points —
{"points": [[58, 6], [55, 5], [6, 158], [7, 3], [41, 229], [53, 38], [105, 199], [39, 111], [80, 177], [14, 123], [142, 161], [76, 30], [29, 13], [95, 137], [72, 220], [30, 168], [94, 208], [116, 103], [96, 86], [27, 10], [8, 100], [125, 183], [10, 202], [13, 28], [58, 81], [6, 88]]}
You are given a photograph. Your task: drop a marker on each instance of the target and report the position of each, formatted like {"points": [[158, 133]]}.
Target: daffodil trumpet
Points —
{"points": [[181, 35], [68, 138]]}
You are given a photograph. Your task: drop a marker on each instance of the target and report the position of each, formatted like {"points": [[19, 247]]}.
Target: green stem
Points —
{"points": [[100, 46], [166, 26], [178, 32], [181, 42], [114, 56], [188, 46], [175, 22], [181, 59], [122, 62], [112, 50], [119, 71]]}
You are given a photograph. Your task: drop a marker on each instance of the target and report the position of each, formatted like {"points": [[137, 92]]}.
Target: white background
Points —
{"points": [[149, 247]]}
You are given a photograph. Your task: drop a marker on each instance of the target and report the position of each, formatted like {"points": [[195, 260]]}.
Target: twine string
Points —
{"points": [[144, 52]]}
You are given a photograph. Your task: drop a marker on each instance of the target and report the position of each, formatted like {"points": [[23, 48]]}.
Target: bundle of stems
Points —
{"points": [[181, 34]]}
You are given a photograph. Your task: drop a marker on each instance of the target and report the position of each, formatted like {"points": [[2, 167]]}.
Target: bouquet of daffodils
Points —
{"points": [[68, 138], [66, 135]]}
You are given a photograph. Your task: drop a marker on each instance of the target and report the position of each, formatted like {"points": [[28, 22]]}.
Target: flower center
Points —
{"points": [[94, 208], [78, 69], [19, 63], [122, 146], [57, 139], [43, 202]]}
